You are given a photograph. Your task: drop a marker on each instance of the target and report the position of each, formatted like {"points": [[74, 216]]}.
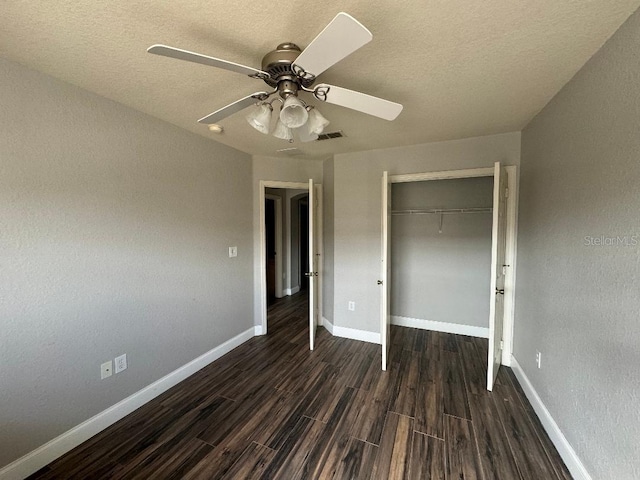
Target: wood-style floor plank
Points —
{"points": [[461, 452], [394, 453], [273, 409], [251, 464], [495, 454], [427, 458], [455, 397], [429, 414], [528, 452]]}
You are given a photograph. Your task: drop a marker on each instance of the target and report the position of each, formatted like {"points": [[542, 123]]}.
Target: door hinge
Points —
{"points": [[506, 193], [501, 344]]}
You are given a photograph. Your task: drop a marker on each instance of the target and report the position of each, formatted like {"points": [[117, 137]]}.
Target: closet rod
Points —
{"points": [[442, 211]]}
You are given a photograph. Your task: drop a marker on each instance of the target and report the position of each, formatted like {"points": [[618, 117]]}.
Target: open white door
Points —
{"points": [[498, 272], [385, 269], [313, 268]]}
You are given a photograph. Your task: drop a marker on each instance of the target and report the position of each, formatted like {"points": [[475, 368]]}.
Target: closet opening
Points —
{"points": [[441, 255], [448, 260]]}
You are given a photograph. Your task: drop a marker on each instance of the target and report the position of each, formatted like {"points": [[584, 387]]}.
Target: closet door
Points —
{"points": [[385, 269], [498, 271], [313, 270]]}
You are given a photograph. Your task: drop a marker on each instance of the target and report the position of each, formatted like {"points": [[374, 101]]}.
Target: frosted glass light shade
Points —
{"points": [[282, 131], [260, 118], [293, 113], [304, 135], [317, 122]]}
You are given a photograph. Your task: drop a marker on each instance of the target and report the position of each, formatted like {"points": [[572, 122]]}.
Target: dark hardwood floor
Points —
{"points": [[272, 409]]}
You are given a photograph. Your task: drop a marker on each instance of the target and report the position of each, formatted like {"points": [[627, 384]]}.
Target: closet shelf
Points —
{"points": [[442, 211]]}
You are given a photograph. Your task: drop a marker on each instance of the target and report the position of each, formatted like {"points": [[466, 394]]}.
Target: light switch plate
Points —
{"points": [[233, 252]]}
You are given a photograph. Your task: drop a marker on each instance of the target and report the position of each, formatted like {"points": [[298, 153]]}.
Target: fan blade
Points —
{"points": [[362, 102], [205, 60], [343, 36], [234, 107]]}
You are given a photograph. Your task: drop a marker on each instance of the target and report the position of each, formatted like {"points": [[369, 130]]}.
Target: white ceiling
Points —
{"points": [[461, 68]]}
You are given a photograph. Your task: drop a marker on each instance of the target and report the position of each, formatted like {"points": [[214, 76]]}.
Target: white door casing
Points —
{"points": [[498, 273]]}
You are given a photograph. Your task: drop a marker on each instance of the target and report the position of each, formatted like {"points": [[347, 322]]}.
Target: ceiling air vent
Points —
{"points": [[330, 135], [292, 152]]}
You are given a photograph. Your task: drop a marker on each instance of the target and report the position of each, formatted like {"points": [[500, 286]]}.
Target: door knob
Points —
{"points": [[500, 291], [379, 282]]}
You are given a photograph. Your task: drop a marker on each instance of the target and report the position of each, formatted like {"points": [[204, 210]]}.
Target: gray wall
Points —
{"points": [[578, 302], [443, 277], [328, 212], [113, 239], [357, 197]]}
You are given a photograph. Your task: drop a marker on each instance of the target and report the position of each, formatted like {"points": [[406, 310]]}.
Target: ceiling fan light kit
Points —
{"points": [[290, 71], [260, 117], [282, 131], [293, 112], [316, 123]]}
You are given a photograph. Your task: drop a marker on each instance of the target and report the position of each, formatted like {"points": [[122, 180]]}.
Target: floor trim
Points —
{"points": [[291, 291], [456, 328], [566, 451], [45, 454], [257, 330], [328, 325], [352, 333]]}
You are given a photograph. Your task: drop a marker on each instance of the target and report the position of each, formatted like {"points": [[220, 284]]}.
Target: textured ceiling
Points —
{"points": [[461, 68]]}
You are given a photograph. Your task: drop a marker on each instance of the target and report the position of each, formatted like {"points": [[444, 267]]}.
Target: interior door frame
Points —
{"points": [[512, 229], [263, 185]]}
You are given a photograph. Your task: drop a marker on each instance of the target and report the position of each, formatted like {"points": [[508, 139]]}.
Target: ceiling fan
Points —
{"points": [[289, 71]]}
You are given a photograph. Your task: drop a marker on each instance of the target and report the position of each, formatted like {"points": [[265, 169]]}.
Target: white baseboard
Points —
{"points": [[456, 328], [352, 333], [258, 330], [328, 325], [566, 451], [291, 291], [355, 334], [45, 454]]}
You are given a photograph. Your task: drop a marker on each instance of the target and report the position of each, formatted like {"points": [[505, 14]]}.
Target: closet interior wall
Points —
{"points": [[440, 263]]}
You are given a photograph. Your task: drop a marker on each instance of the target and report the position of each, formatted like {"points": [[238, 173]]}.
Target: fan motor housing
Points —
{"points": [[277, 63]]}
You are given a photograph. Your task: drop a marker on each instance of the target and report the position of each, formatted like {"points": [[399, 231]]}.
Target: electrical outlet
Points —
{"points": [[121, 363], [538, 359], [106, 370], [233, 252], [352, 306]]}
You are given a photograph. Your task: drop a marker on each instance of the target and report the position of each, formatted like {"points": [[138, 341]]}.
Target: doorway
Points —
{"points": [[297, 249], [303, 236], [270, 227]]}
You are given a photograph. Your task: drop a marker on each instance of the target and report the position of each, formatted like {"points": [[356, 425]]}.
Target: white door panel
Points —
{"points": [[385, 270], [498, 248]]}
